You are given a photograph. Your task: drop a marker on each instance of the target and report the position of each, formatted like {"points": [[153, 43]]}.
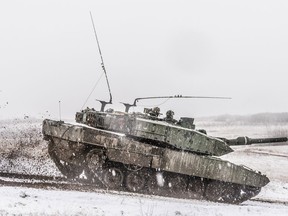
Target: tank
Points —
{"points": [[143, 153]]}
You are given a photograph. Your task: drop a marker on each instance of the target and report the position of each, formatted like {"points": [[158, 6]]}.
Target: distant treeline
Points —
{"points": [[253, 119]]}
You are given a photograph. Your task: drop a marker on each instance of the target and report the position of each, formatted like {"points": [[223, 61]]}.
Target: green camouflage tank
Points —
{"points": [[140, 152]]}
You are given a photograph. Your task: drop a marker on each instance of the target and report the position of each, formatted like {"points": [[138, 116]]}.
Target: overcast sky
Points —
{"points": [[228, 48]]}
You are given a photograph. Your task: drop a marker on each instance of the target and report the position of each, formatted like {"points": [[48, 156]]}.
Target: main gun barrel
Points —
{"points": [[248, 141]]}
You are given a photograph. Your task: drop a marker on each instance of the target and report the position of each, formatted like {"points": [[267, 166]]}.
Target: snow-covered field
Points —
{"points": [[24, 201], [271, 160]]}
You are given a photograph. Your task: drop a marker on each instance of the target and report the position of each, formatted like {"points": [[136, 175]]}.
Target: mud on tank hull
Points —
{"points": [[117, 162]]}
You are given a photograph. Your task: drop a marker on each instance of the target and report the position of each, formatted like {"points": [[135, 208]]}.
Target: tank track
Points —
{"points": [[75, 159]]}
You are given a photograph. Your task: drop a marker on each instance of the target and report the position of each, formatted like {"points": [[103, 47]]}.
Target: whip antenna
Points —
{"points": [[59, 109], [127, 106], [103, 103]]}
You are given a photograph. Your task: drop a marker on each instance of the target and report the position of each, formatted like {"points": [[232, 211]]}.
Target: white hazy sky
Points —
{"points": [[154, 47]]}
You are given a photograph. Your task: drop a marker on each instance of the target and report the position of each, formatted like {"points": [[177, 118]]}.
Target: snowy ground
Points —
{"points": [[16, 201], [270, 160]]}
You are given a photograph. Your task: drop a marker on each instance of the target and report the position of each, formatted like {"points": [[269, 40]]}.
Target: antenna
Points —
{"points": [[127, 106], [103, 103], [60, 110]]}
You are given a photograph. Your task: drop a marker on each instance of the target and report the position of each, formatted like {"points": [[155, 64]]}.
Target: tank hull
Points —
{"points": [[119, 162]]}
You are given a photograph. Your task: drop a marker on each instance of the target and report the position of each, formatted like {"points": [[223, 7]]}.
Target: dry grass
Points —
{"points": [[257, 125], [21, 138], [278, 130]]}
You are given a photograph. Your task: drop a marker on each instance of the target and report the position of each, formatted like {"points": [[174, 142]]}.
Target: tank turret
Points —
{"points": [[169, 133]]}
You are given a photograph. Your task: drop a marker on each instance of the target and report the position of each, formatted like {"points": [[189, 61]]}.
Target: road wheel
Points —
{"points": [[113, 177], [135, 181]]}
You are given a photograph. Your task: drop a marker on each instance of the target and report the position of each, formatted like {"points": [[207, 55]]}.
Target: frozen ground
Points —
{"points": [[24, 201], [32, 158]]}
